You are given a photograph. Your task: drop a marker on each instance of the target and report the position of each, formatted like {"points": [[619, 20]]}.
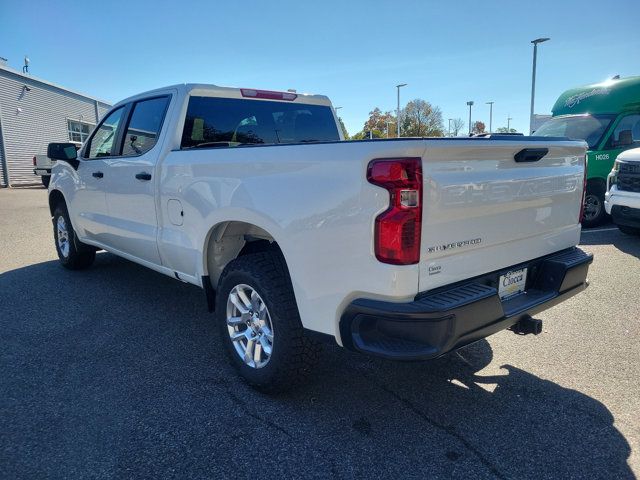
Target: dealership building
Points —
{"points": [[34, 112]]}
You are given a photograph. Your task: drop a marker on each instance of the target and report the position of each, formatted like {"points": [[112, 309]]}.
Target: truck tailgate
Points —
{"points": [[483, 210]]}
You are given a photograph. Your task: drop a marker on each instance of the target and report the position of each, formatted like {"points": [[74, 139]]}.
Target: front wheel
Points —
{"points": [[594, 212], [73, 254], [259, 323]]}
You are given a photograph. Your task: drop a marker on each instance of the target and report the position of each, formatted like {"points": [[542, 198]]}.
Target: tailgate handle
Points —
{"points": [[530, 154]]}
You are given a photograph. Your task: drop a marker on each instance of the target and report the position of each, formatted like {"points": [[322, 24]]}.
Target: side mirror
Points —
{"points": [[67, 152], [62, 151]]}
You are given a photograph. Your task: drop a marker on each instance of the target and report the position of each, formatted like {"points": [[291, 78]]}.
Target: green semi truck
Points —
{"points": [[607, 116]]}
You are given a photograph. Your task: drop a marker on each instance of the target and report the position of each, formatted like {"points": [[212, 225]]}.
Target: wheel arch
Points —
{"points": [[597, 184], [55, 198], [228, 240]]}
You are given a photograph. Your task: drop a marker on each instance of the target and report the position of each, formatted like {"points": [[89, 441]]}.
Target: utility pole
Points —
{"points": [[470, 103], [490, 116], [533, 78], [398, 111], [509, 124], [450, 127]]}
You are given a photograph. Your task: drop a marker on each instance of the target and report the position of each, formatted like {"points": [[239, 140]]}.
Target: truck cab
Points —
{"points": [[607, 116]]}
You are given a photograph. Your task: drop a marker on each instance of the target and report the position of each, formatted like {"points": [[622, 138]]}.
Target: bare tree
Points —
{"points": [[457, 124]]}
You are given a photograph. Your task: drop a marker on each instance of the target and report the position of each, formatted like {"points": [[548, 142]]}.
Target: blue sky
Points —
{"points": [[353, 51]]}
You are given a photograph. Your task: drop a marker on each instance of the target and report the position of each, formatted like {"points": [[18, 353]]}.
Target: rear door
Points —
{"points": [[130, 181], [484, 210]]}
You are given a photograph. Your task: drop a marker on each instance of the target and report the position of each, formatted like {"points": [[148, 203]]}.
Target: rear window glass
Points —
{"points": [[227, 122]]}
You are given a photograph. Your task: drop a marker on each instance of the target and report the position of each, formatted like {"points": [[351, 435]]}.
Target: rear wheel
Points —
{"points": [[45, 180], [260, 325], [594, 212], [73, 254]]}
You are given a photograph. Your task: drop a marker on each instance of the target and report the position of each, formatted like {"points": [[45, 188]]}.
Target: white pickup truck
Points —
{"points": [[622, 200], [403, 248]]}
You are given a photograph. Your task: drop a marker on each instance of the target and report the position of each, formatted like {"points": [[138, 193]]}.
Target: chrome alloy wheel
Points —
{"points": [[249, 326], [63, 236]]}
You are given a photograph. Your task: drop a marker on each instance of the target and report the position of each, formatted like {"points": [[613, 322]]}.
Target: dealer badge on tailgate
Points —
{"points": [[512, 283]]}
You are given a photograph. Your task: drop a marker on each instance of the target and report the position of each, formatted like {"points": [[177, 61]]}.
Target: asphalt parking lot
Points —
{"points": [[115, 372]]}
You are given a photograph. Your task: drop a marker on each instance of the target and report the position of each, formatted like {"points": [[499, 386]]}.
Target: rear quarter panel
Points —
{"points": [[313, 199]]}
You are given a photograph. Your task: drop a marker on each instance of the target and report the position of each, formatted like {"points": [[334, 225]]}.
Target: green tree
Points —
{"points": [[344, 129], [421, 119], [380, 122]]}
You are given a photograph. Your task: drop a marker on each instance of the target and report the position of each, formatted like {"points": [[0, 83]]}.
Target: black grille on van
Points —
{"points": [[629, 177]]}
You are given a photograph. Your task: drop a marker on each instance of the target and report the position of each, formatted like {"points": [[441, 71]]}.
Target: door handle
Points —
{"points": [[98, 174], [530, 154], [143, 176]]}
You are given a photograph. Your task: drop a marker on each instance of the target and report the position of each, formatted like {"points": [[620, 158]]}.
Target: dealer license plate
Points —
{"points": [[512, 283]]}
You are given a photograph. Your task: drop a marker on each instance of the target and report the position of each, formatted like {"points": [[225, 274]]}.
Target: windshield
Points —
{"points": [[584, 127]]}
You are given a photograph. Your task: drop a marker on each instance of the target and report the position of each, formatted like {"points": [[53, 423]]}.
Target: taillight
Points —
{"points": [[397, 229], [34, 160], [584, 191], [267, 94]]}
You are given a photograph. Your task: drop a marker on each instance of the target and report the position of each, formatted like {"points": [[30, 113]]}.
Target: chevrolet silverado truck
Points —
{"points": [[42, 167], [402, 248], [622, 200]]}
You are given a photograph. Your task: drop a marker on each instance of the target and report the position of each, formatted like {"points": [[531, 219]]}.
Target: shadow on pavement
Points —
{"points": [[625, 243], [116, 371]]}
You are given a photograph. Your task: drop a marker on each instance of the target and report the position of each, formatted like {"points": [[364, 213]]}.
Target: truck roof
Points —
{"points": [[611, 96], [203, 89]]}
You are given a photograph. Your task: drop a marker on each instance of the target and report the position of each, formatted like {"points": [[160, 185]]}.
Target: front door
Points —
{"points": [[89, 215], [130, 186]]}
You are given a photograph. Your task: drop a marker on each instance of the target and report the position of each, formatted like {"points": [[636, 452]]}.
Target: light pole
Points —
{"points": [[336, 109], [470, 103], [490, 116], [450, 127], [509, 124], [533, 78], [398, 111]]}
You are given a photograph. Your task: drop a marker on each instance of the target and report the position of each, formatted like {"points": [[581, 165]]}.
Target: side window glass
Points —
{"points": [[626, 133], [144, 126], [101, 144]]}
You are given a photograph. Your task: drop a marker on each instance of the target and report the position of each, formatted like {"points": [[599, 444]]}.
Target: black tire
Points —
{"points": [[45, 180], [594, 212], [293, 355], [76, 255], [629, 230]]}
